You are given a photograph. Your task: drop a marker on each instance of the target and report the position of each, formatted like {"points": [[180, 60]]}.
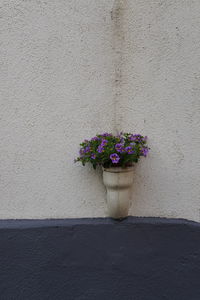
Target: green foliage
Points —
{"points": [[108, 150]]}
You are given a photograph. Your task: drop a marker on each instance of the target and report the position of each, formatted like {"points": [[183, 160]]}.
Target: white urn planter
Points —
{"points": [[116, 154], [118, 181]]}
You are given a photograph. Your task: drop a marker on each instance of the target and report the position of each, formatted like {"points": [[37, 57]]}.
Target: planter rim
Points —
{"points": [[118, 169]]}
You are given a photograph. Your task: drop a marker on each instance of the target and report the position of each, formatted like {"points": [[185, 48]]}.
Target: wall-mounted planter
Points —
{"points": [[116, 154], [118, 183]]}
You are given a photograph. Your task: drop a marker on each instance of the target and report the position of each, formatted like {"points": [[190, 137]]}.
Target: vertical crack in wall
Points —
{"points": [[117, 15]]}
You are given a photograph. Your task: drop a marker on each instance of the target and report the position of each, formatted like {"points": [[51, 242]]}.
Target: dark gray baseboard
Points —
{"points": [[91, 259]]}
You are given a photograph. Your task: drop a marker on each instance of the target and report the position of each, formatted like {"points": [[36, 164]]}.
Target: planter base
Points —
{"points": [[118, 182]]}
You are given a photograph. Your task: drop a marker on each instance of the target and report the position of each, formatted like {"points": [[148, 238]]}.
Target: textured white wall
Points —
{"points": [[56, 90], [69, 71], [161, 98]]}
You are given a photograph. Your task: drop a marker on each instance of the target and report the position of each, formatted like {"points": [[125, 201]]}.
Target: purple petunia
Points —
{"points": [[113, 150], [93, 156], [122, 140], [144, 151], [129, 150], [95, 138], [135, 137], [104, 142], [100, 149], [119, 147], [87, 149], [115, 158], [101, 146]]}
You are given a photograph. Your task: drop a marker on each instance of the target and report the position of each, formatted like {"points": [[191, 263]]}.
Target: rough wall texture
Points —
{"points": [[160, 97], [56, 90], [70, 69]]}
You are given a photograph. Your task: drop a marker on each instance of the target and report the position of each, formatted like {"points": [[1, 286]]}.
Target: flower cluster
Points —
{"points": [[108, 150]]}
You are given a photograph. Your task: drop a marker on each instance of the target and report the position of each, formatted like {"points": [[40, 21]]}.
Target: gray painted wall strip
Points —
{"points": [[133, 259]]}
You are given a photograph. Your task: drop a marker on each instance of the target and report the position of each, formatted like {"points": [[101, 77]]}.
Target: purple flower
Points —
{"points": [[101, 146], [115, 158], [95, 138], [144, 151], [100, 149], [87, 149], [119, 148], [135, 137], [93, 155], [129, 150], [104, 142], [122, 140]]}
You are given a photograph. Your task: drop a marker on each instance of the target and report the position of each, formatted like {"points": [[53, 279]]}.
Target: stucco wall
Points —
{"points": [[56, 90], [70, 69], [161, 98]]}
